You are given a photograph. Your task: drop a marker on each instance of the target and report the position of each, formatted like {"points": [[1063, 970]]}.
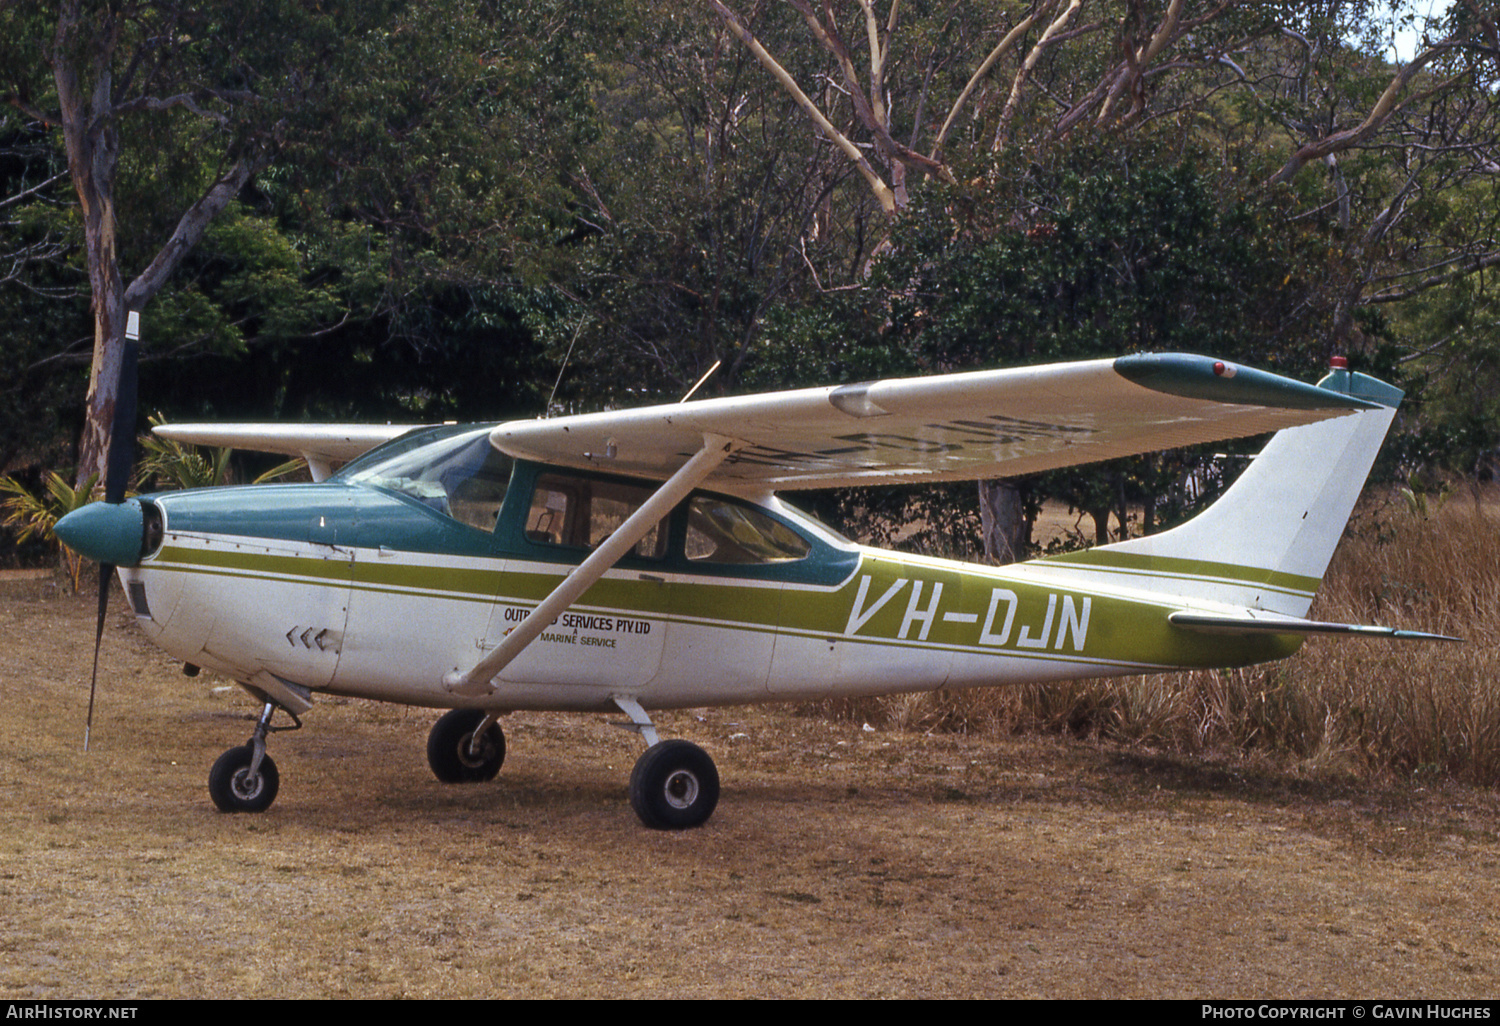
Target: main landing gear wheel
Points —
{"points": [[451, 751], [674, 786], [236, 787]]}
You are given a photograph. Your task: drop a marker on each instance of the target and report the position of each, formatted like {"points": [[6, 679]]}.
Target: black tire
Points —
{"points": [[234, 790], [448, 748], [674, 786]]}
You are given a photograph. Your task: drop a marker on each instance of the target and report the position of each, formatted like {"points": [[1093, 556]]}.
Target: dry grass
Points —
{"points": [[1368, 707], [842, 862]]}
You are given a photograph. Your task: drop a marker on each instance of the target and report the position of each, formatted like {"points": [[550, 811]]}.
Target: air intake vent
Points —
{"points": [[136, 592]]}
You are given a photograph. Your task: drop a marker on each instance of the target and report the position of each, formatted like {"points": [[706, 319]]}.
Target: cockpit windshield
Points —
{"points": [[460, 475]]}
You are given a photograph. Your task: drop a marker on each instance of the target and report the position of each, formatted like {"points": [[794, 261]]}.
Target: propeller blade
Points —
{"points": [[105, 571], [121, 456], [117, 466]]}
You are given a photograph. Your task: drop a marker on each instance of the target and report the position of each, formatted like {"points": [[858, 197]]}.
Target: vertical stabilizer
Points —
{"points": [[1266, 543]]}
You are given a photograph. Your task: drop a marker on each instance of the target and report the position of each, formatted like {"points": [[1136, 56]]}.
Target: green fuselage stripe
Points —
{"points": [[898, 607], [1172, 566]]}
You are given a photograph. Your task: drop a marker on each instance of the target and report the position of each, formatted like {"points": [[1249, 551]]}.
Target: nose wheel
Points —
{"points": [[244, 779], [238, 784]]}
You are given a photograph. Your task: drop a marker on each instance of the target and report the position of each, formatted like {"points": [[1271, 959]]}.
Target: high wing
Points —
{"points": [[322, 445], [999, 423]]}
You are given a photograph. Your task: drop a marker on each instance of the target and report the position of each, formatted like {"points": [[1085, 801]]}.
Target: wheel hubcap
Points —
{"points": [[682, 789], [474, 758], [245, 786]]}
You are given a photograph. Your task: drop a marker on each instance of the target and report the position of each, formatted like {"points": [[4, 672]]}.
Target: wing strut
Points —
{"points": [[716, 449]]}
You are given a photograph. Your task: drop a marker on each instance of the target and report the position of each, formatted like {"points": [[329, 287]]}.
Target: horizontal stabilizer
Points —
{"points": [[1206, 624]]}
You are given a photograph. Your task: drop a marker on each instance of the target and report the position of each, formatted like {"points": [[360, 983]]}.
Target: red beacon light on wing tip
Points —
{"points": [[1223, 370]]}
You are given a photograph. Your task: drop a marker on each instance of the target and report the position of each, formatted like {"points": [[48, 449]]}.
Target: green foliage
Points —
{"points": [[931, 520], [35, 514], [1108, 253], [373, 271], [703, 208], [43, 295], [166, 463], [1457, 432], [837, 340], [466, 193], [169, 465]]}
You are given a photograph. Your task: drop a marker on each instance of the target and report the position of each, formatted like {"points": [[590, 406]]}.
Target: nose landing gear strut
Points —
{"points": [[244, 779]]}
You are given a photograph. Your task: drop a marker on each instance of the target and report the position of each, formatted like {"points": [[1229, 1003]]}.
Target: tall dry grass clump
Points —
{"points": [[1414, 707], [1367, 706]]}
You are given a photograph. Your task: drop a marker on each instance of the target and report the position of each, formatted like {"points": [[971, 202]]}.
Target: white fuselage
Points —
{"points": [[389, 625]]}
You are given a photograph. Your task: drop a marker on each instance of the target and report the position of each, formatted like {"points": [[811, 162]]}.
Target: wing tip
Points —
{"points": [[1202, 377]]}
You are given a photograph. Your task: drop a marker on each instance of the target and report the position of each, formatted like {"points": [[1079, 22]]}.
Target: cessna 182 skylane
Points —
{"points": [[640, 559]]}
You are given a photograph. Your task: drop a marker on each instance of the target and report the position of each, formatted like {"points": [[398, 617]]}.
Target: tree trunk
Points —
{"points": [[1101, 524], [1002, 521], [92, 139], [83, 51]]}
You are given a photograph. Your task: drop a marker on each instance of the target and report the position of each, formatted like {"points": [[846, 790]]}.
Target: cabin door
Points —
{"points": [[612, 636]]}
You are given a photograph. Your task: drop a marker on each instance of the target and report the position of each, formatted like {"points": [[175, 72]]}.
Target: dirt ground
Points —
{"points": [[842, 862]]}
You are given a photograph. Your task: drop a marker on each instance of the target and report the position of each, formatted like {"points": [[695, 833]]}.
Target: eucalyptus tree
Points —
{"points": [[334, 195], [138, 84], [1290, 106], [700, 208]]}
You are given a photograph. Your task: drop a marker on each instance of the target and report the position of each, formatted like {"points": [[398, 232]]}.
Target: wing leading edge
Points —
{"points": [[999, 423]]}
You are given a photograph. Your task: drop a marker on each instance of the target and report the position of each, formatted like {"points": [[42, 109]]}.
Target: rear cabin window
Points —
{"points": [[580, 513], [721, 531]]}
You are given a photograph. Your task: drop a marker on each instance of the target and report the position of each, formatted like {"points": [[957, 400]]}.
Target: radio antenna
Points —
{"points": [[700, 381], [560, 371]]}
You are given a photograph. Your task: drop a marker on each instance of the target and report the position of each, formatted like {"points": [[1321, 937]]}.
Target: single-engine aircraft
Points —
{"points": [[641, 559]]}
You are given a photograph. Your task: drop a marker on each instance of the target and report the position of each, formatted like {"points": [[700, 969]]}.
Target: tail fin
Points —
{"points": [[1266, 543]]}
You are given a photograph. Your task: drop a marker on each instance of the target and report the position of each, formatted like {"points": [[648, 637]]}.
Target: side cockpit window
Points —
{"points": [[721, 531], [576, 512], [463, 477], [475, 485]]}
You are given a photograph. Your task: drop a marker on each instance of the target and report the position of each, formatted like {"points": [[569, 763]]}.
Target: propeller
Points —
{"points": [[117, 466]]}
